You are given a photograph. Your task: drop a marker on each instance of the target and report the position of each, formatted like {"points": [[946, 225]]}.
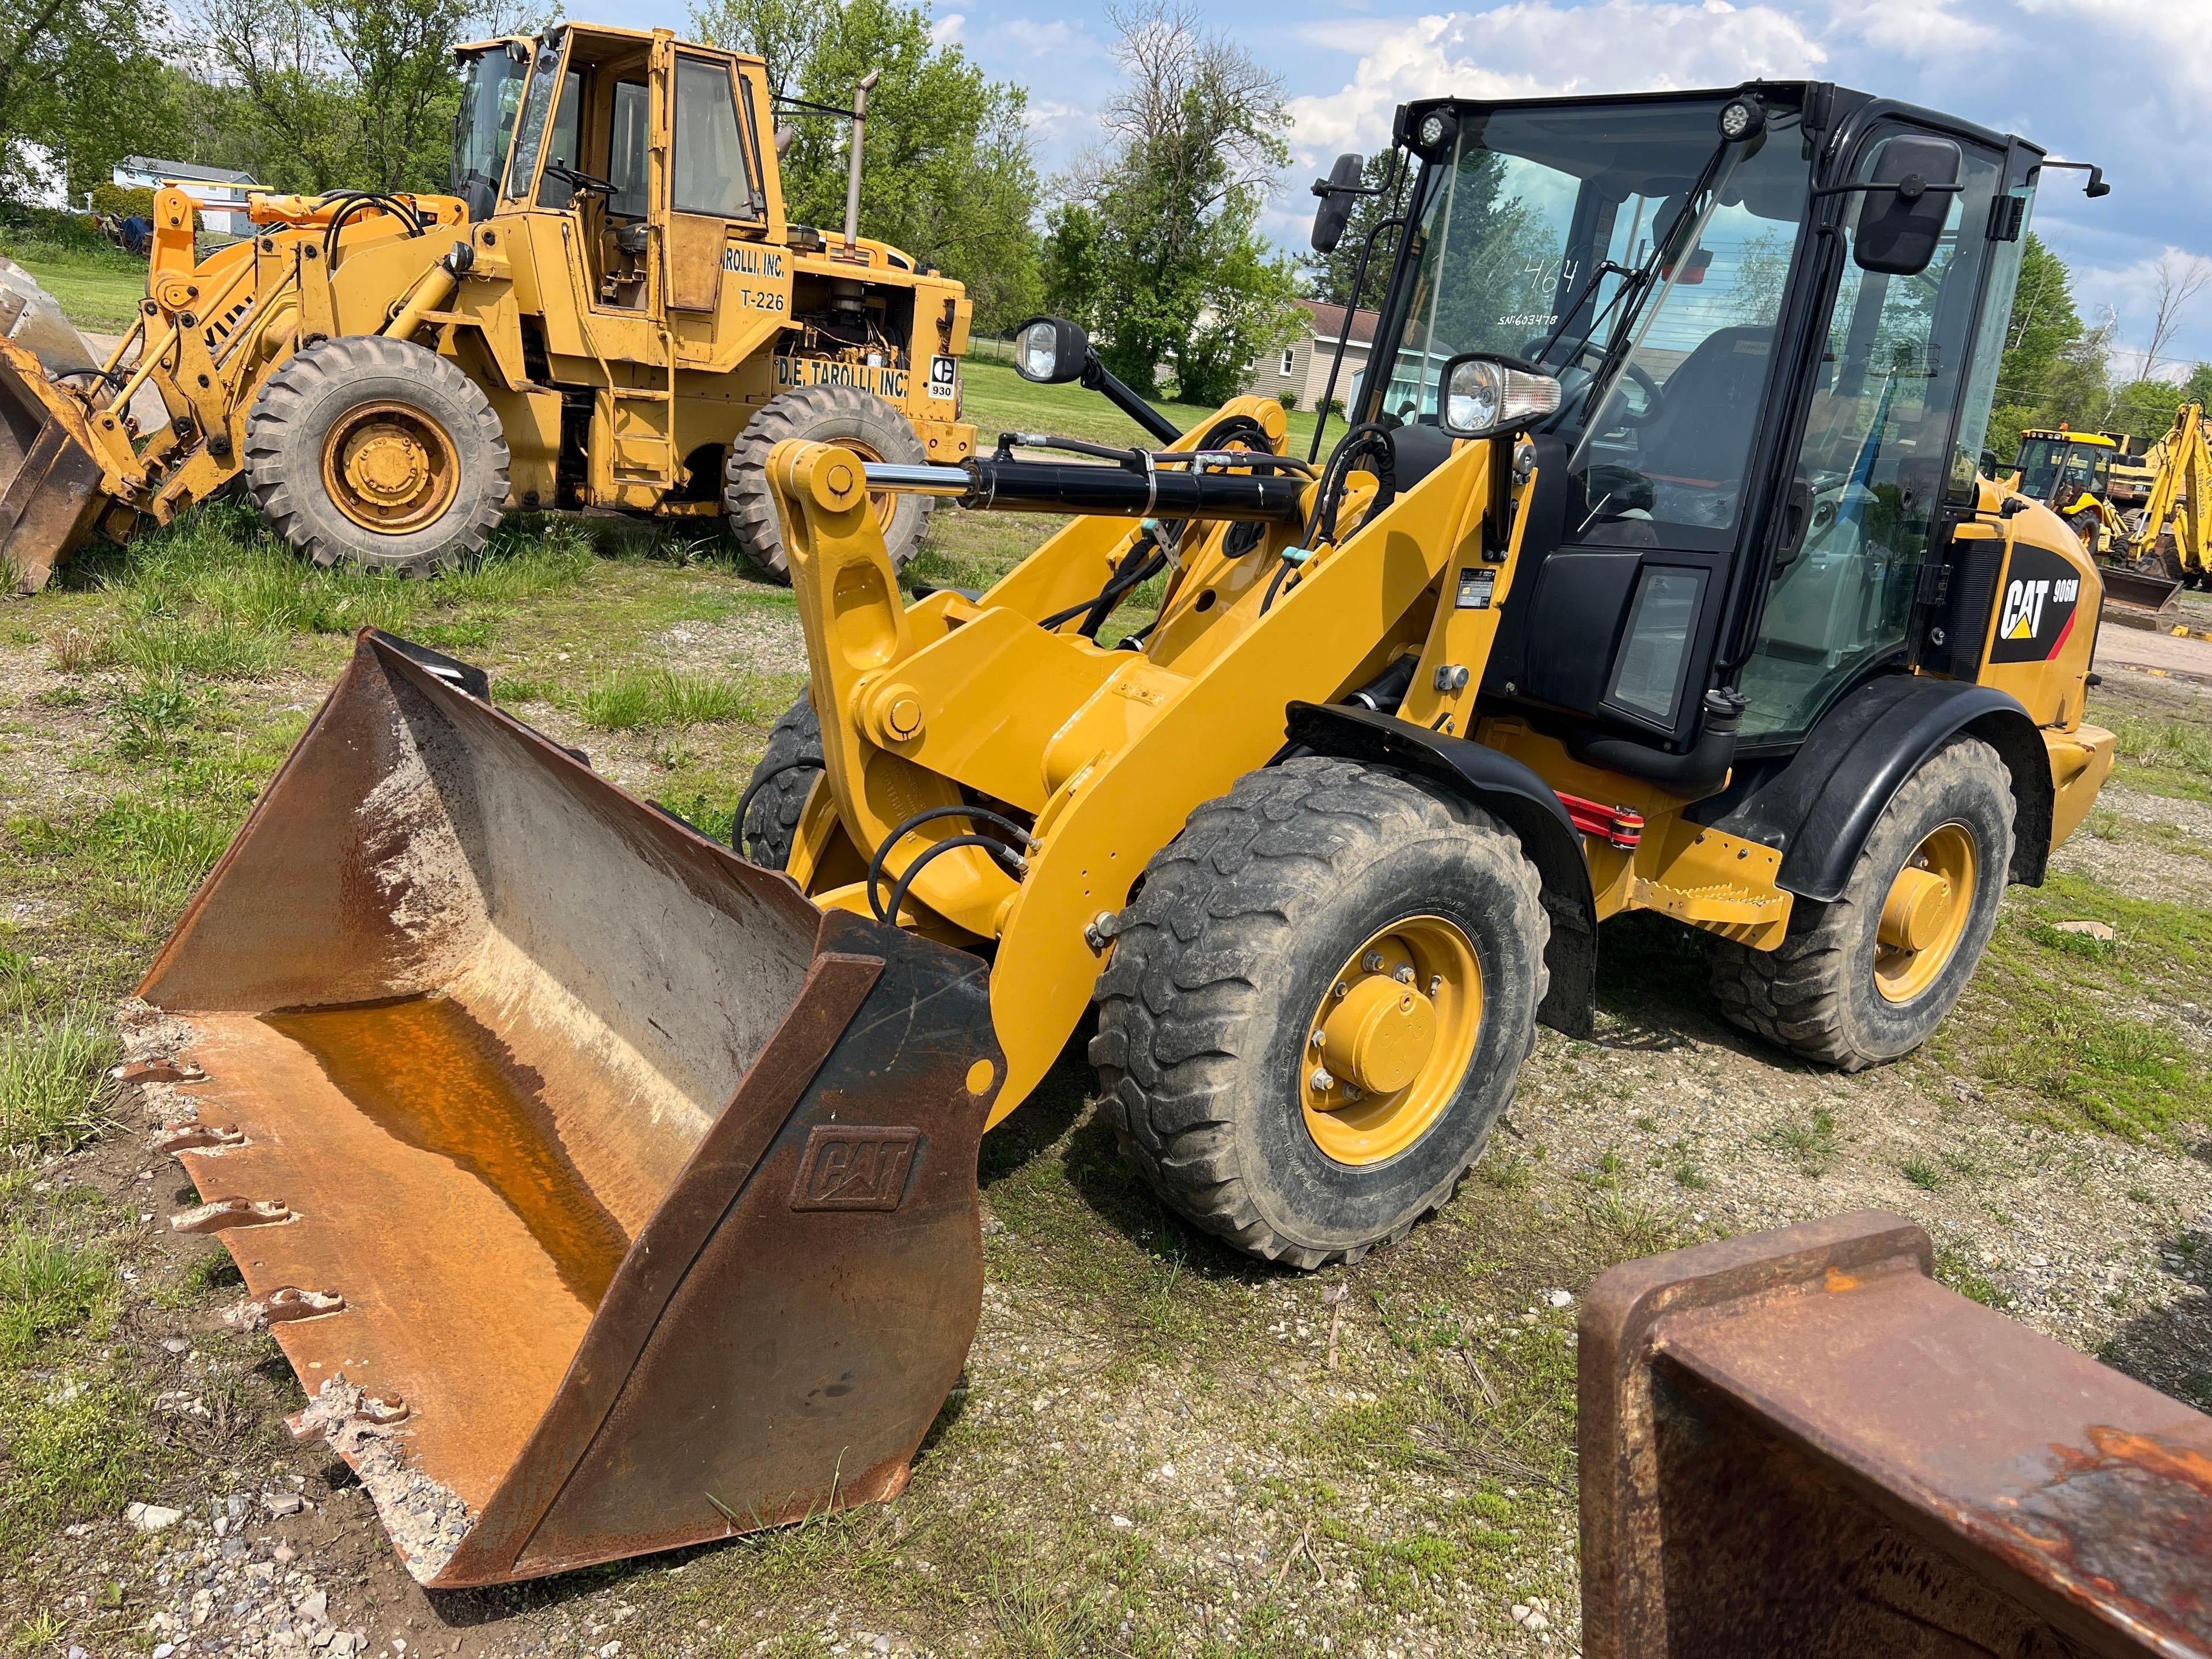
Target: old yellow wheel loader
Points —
{"points": [[611, 312], [611, 1192]]}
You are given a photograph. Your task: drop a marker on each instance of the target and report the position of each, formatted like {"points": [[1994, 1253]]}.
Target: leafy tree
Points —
{"points": [[1157, 246], [83, 80], [330, 92], [1329, 275], [948, 174]]}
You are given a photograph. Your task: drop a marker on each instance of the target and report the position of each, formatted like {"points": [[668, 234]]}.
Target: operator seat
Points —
{"points": [[1708, 409]]}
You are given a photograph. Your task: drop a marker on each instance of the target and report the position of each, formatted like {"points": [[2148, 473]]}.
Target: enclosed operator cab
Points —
{"points": [[1776, 354]]}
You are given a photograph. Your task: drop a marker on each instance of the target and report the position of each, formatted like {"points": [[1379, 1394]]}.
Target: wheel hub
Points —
{"points": [[390, 467], [1390, 1045], [1381, 1034], [1925, 914]]}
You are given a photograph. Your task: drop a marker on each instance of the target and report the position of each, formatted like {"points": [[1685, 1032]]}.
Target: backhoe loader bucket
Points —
{"points": [[605, 1195], [50, 479]]}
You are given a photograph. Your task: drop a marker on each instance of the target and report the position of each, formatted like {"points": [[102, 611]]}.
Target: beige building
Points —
{"points": [[1302, 367]]}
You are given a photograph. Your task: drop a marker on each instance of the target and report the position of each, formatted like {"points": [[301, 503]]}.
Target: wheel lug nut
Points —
{"points": [[1320, 1040], [1372, 962], [1323, 1082], [1404, 976], [1341, 988]]}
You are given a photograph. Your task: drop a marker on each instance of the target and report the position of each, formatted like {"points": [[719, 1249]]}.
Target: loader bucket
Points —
{"points": [[605, 1196], [50, 479]]}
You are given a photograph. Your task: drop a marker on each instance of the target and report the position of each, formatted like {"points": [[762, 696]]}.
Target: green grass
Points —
{"points": [[48, 1285], [2165, 756], [2068, 1027], [99, 288], [52, 1078], [633, 697], [996, 399]]}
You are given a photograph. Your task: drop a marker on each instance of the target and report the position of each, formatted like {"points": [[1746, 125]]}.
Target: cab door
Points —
{"points": [[1879, 454], [714, 180]]}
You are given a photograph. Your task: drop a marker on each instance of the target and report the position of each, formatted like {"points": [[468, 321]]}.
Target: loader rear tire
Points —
{"points": [[1230, 958], [1844, 988], [378, 453], [862, 422], [776, 793]]}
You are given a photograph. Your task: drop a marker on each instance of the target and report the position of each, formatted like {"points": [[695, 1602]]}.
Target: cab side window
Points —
{"points": [[626, 151], [711, 175]]}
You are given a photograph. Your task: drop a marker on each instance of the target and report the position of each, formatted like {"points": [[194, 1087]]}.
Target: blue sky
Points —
{"points": [[2127, 83]]}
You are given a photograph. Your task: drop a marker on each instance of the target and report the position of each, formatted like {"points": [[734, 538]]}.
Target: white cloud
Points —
{"points": [[1058, 39], [945, 31], [1534, 47]]}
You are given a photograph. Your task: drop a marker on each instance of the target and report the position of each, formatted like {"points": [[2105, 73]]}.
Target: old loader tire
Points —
{"points": [[1867, 978], [862, 422], [1303, 877], [378, 453], [776, 795]]}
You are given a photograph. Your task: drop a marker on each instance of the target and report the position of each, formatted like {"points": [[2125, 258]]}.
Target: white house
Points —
{"points": [[221, 192], [1302, 367]]}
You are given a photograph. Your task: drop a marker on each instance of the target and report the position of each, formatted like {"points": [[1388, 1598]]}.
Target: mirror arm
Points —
{"points": [[1901, 187]]}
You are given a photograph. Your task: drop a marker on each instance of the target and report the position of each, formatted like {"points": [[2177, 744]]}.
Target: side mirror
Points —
{"points": [[1907, 202], [1050, 351], [1483, 395], [1338, 192]]}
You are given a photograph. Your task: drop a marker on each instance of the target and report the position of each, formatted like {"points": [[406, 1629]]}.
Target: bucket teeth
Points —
{"points": [[173, 1138], [161, 1068], [224, 1213], [282, 1306]]}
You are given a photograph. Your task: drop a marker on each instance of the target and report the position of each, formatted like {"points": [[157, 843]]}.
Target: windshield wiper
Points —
{"points": [[1627, 301]]}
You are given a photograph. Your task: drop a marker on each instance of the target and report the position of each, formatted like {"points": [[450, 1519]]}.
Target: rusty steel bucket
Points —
{"points": [[50, 480], [604, 1194], [1797, 1445]]}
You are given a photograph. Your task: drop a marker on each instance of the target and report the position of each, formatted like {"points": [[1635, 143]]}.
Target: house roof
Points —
{"points": [[190, 170], [1328, 322]]}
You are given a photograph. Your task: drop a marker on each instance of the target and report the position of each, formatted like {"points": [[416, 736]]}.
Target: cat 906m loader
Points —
{"points": [[610, 312], [1654, 573]]}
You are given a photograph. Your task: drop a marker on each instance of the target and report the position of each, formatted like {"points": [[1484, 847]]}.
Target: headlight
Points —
{"points": [[1050, 350], [1483, 396]]}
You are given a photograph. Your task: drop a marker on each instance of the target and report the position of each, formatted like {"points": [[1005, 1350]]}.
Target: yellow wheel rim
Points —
{"points": [[1387, 1049], [1925, 915], [390, 467]]}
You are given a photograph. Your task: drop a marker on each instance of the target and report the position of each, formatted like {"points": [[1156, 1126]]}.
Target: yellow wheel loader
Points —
{"points": [[611, 1192], [611, 312]]}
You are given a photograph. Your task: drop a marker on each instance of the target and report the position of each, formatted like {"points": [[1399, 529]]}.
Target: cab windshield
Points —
{"points": [[1641, 260], [2052, 469], [483, 125]]}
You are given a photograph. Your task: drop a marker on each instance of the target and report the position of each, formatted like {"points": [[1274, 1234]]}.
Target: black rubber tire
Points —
{"points": [[290, 420], [1815, 994], [1242, 922], [791, 763], [824, 414]]}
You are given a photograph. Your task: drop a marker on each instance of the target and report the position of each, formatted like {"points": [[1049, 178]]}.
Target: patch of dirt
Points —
{"points": [[753, 642]]}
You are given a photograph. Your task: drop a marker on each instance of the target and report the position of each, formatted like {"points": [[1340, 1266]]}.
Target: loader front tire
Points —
{"points": [[1867, 978], [776, 793], [861, 421], [1296, 903], [378, 453]]}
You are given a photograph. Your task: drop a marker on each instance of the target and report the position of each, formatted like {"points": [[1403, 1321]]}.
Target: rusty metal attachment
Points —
{"points": [[222, 1214], [647, 1189], [1798, 1443], [162, 1068], [173, 1138]]}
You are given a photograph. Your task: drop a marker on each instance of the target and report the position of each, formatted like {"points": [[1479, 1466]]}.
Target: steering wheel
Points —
{"points": [[1649, 386], [579, 179]]}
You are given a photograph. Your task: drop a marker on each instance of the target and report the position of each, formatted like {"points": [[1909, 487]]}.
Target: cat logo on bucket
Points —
{"points": [[853, 1168], [2036, 607]]}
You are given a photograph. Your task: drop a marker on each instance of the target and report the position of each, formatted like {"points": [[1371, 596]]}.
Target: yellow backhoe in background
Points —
{"points": [[613, 1192], [2143, 517], [611, 311]]}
